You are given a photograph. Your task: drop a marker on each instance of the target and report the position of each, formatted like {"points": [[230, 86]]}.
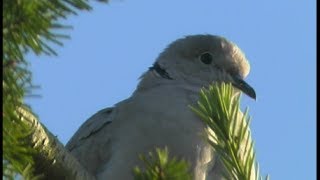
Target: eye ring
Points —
{"points": [[206, 58]]}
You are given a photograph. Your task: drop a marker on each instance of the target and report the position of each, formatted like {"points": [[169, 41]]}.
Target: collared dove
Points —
{"points": [[157, 114]]}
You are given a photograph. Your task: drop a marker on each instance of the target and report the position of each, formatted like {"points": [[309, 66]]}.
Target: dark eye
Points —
{"points": [[206, 58]]}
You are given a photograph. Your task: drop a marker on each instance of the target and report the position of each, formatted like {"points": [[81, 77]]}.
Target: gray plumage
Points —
{"points": [[157, 113]]}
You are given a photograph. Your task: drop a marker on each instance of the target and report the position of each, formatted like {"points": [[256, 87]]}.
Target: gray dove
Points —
{"points": [[158, 114]]}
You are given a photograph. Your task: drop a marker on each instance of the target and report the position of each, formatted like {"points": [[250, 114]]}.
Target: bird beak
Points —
{"points": [[244, 87]]}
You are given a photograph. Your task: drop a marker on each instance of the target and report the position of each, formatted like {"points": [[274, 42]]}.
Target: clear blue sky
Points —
{"points": [[114, 44]]}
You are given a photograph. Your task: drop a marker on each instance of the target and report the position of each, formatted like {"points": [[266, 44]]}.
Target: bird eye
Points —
{"points": [[206, 58]]}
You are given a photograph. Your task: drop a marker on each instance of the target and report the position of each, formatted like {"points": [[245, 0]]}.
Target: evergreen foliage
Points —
{"points": [[27, 25], [219, 109], [159, 166]]}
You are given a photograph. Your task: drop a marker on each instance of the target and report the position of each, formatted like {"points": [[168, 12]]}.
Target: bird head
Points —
{"points": [[203, 59]]}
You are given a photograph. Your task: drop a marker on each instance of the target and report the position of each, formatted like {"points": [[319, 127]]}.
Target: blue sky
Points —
{"points": [[114, 44]]}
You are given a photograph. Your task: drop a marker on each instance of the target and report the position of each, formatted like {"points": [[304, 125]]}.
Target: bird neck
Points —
{"points": [[152, 79]]}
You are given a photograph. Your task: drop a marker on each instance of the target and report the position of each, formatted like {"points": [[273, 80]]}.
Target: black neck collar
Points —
{"points": [[162, 72]]}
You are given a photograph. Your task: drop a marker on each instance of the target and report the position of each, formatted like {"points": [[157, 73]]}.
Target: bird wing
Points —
{"points": [[86, 147], [91, 126]]}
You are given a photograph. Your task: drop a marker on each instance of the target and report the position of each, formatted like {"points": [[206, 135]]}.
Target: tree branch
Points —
{"points": [[52, 159]]}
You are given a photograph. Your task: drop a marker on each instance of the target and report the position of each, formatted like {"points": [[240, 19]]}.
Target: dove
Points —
{"points": [[158, 114]]}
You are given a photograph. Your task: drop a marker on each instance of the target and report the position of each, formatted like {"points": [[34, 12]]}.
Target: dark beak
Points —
{"points": [[244, 87]]}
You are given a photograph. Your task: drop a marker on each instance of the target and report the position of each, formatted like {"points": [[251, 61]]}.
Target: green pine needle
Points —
{"points": [[219, 109], [158, 166]]}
